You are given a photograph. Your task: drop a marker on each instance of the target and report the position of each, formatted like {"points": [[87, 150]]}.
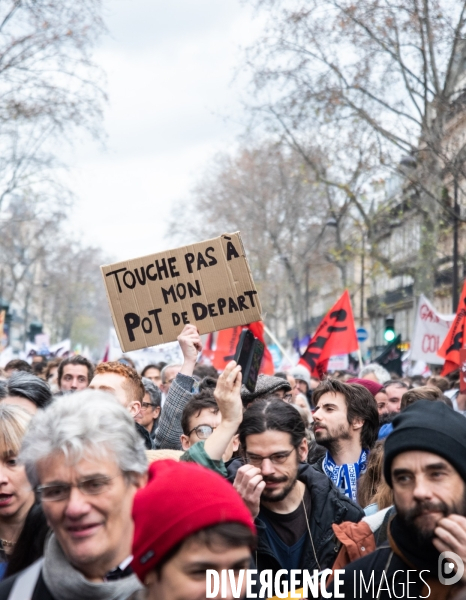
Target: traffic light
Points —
{"points": [[35, 328], [389, 334]]}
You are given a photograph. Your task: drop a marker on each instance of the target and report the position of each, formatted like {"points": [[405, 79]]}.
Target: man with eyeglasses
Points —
{"points": [[293, 504], [167, 435], [210, 421], [150, 407], [85, 461]]}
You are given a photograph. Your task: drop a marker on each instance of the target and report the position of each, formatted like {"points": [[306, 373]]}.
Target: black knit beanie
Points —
{"points": [[431, 426]]}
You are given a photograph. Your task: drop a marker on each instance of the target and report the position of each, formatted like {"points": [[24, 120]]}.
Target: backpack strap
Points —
{"points": [[25, 583]]}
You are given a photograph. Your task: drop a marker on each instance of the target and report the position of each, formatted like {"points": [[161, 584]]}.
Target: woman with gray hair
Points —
{"points": [[85, 460]]}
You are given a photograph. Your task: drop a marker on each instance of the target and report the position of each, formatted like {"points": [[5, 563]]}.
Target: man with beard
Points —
{"points": [[346, 422], [425, 464], [293, 504]]}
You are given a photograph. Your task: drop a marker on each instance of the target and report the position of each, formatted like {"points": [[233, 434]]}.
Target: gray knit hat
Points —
{"points": [[300, 372], [266, 385]]}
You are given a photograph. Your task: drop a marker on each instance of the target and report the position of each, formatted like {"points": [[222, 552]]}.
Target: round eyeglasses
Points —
{"points": [[203, 431]]}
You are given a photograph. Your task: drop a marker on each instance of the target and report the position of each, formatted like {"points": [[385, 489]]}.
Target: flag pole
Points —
{"points": [[275, 341], [361, 364]]}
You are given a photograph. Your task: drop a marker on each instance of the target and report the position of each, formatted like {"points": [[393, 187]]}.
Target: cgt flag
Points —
{"points": [[336, 334], [456, 338]]}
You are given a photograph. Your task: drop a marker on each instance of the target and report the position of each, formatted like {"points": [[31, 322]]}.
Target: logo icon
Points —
{"points": [[448, 563]]}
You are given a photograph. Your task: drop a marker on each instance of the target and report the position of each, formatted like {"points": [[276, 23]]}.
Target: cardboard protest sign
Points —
{"points": [[208, 284]]}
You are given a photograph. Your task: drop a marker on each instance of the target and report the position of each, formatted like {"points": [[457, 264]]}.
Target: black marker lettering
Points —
{"points": [[201, 262], [132, 321], [250, 295], [232, 306], [146, 325], [221, 304], [181, 291], [194, 290], [156, 312], [200, 311], [149, 276], [133, 280], [242, 303], [142, 279], [169, 292], [161, 268], [212, 259], [189, 258], [231, 251], [172, 266], [116, 276]]}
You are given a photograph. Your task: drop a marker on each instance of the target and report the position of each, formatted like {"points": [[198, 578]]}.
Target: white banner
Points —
{"points": [[430, 330], [339, 362]]}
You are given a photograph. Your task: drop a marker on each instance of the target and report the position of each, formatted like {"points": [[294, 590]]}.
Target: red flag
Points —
{"points": [[456, 339], [107, 352], [257, 329], [227, 340], [336, 334]]}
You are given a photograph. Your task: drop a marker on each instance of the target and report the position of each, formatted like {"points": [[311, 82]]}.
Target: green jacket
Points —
{"points": [[197, 454]]}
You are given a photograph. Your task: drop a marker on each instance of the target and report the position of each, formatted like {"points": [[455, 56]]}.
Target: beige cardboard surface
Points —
{"points": [[208, 284]]}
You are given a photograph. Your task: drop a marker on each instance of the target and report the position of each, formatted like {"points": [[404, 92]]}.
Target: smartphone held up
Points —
{"points": [[248, 355]]}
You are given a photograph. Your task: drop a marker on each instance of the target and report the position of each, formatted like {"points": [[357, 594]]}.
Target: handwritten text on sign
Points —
{"points": [[208, 284], [430, 330]]}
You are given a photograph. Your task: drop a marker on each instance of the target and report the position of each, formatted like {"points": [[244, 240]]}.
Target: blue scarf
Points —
{"points": [[346, 477]]}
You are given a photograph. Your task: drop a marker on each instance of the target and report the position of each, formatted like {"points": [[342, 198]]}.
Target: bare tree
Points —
{"points": [[269, 193], [390, 74], [45, 276], [51, 90], [49, 86], [73, 300]]}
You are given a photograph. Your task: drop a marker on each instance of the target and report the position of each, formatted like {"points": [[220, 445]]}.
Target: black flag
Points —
{"points": [[390, 358]]}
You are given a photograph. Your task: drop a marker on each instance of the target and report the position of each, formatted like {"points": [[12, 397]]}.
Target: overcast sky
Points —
{"points": [[170, 68]]}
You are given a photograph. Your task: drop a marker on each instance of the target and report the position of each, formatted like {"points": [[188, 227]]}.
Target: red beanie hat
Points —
{"points": [[370, 385], [179, 500]]}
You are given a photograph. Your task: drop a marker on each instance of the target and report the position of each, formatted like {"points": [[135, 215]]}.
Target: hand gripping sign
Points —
{"points": [[208, 284]]}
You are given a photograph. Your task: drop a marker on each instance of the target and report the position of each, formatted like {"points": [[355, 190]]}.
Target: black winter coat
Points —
{"points": [[396, 579], [328, 505], [41, 591]]}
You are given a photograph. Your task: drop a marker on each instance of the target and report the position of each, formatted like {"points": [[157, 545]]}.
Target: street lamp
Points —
{"points": [[456, 216]]}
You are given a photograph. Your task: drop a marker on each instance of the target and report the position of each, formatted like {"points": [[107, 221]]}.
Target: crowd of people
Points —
{"points": [[116, 484]]}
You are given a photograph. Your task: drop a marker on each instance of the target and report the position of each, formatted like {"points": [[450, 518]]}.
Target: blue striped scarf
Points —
{"points": [[346, 477]]}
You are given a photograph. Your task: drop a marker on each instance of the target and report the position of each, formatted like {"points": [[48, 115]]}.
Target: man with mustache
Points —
{"points": [[346, 422], [293, 504], [425, 464]]}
